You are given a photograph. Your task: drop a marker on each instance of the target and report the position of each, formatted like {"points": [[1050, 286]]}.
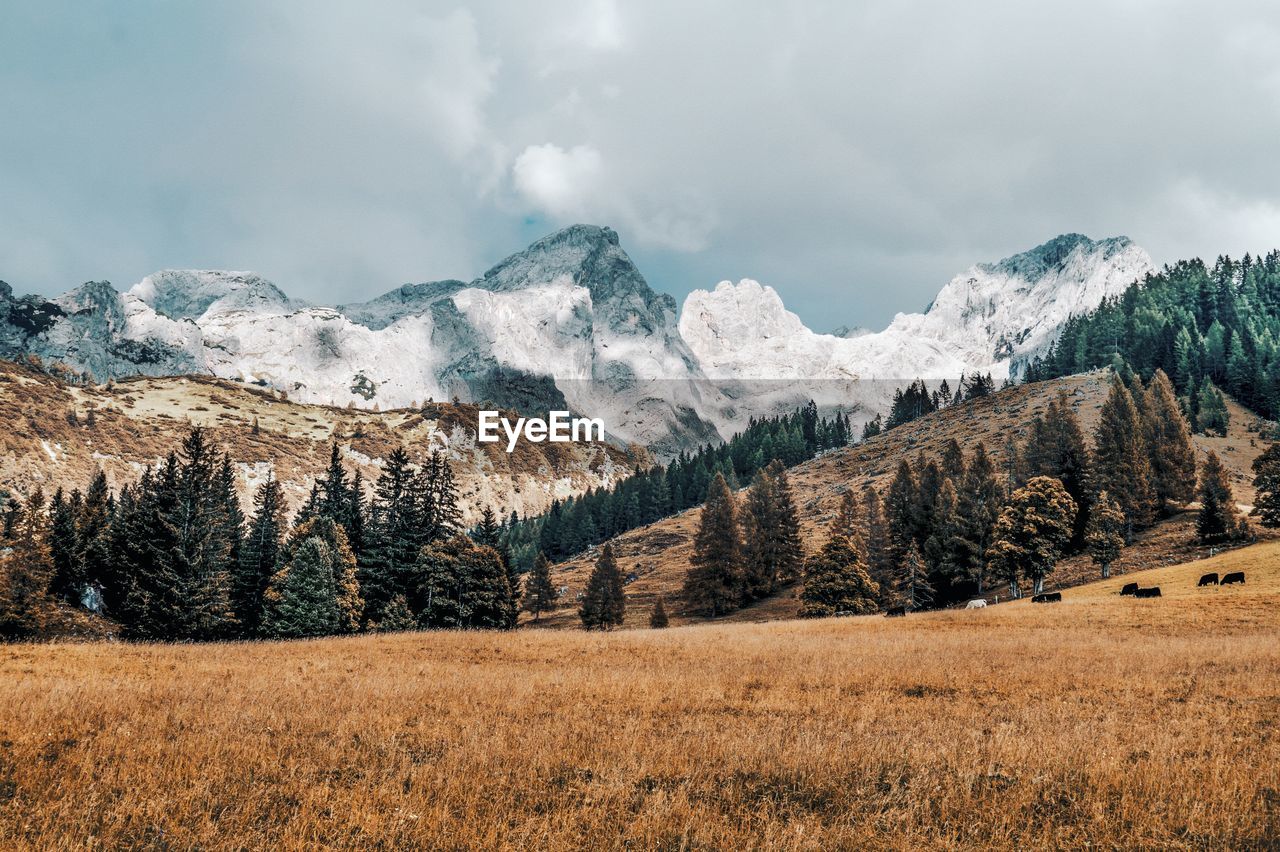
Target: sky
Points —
{"points": [[854, 155]]}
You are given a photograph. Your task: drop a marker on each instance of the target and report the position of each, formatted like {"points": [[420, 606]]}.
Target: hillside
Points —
{"points": [[135, 422], [1100, 722], [658, 555]]}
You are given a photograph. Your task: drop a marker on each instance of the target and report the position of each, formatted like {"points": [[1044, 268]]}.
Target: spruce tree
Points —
{"points": [[604, 603], [1105, 535], [1056, 448], [1172, 455], [315, 592], [836, 582], [714, 580], [944, 552], [1122, 465], [1218, 520], [658, 618], [539, 592], [259, 555], [902, 511], [396, 534]]}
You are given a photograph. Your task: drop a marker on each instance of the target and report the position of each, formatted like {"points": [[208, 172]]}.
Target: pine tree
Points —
{"points": [[64, 550], [259, 555], [713, 583], [849, 522], [1031, 533], [1105, 535], [1212, 416], [658, 618], [836, 582], [539, 592], [1266, 481], [1172, 455], [604, 603], [1218, 520], [93, 528], [1122, 465]]}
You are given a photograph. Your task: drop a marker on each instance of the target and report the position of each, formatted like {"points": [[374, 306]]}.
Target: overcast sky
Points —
{"points": [[853, 155]]}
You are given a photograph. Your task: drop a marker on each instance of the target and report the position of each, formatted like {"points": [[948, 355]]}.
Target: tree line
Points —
{"points": [[572, 526], [959, 525], [173, 557], [1206, 327]]}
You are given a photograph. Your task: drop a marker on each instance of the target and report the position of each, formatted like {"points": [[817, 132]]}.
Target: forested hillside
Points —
{"points": [[1203, 325]]}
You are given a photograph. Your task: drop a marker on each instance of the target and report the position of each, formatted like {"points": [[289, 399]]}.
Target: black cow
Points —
{"points": [[1210, 579], [1129, 589], [1153, 592], [1233, 577], [1047, 597], [896, 611]]}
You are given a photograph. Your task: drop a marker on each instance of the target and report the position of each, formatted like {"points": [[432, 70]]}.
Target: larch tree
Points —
{"points": [[1168, 437], [910, 586], [712, 585], [1104, 537], [1031, 533], [1266, 481], [772, 553]]}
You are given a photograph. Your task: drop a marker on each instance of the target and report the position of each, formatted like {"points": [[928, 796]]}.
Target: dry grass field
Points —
{"points": [[1101, 721]]}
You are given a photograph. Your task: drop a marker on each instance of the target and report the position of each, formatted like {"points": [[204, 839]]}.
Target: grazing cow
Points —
{"points": [[1047, 597], [1210, 579], [976, 604], [1129, 589], [1153, 592], [896, 611], [1233, 577]]}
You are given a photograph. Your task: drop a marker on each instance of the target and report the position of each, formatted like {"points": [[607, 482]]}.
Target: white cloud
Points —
{"points": [[560, 183], [574, 185]]}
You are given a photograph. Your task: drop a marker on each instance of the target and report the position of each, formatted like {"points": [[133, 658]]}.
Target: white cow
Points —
{"points": [[976, 604]]}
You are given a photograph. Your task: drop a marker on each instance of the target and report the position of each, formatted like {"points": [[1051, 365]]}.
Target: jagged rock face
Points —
{"points": [[569, 322], [992, 318]]}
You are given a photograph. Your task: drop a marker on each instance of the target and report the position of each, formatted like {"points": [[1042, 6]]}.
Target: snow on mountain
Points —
{"points": [[568, 323], [993, 318]]}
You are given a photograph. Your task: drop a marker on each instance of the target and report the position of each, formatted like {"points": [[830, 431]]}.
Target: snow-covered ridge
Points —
{"points": [[990, 318], [569, 322]]}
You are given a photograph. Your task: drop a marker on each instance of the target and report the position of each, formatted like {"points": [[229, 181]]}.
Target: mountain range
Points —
{"points": [[569, 322]]}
